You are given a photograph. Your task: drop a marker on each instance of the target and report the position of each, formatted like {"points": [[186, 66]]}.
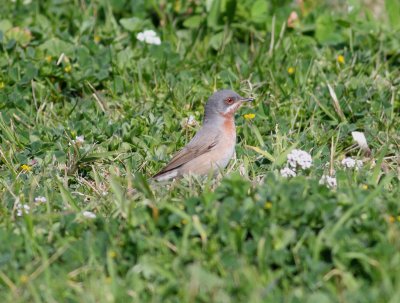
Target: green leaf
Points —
{"points": [[261, 152], [142, 185], [193, 22], [377, 170], [55, 47], [326, 30], [259, 11], [214, 13], [98, 156], [203, 278], [216, 41], [67, 197], [200, 229], [20, 35], [117, 189], [5, 25], [393, 12], [131, 24]]}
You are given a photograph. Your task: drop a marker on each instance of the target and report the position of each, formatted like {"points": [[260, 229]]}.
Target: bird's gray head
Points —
{"points": [[223, 103]]}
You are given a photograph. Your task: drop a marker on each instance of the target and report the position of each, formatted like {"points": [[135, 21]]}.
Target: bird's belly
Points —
{"points": [[225, 156]]}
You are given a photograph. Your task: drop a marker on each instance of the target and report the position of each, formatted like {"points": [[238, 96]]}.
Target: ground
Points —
{"points": [[91, 106]]}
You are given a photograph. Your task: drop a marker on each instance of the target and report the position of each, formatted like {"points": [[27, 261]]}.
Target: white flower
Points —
{"points": [[328, 181], [79, 140], [40, 199], [287, 172], [300, 158], [359, 137], [351, 163], [89, 214], [149, 36], [190, 121], [22, 209]]}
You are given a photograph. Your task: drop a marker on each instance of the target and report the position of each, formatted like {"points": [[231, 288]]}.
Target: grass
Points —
{"points": [[70, 69]]}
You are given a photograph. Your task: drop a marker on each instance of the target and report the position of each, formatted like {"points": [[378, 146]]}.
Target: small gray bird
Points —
{"points": [[214, 144]]}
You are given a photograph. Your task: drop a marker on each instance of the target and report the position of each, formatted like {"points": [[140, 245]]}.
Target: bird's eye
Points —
{"points": [[229, 101]]}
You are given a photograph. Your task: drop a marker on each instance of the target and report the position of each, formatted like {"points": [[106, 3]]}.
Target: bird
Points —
{"points": [[214, 143]]}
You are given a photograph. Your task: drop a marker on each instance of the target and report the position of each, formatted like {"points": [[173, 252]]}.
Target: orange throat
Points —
{"points": [[229, 121], [229, 125]]}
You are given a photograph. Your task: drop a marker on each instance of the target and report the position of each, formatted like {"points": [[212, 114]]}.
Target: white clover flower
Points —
{"points": [[300, 158], [348, 162], [149, 36], [89, 215], [288, 172], [359, 164], [351, 163], [22, 209], [79, 140], [328, 181], [40, 199], [191, 120]]}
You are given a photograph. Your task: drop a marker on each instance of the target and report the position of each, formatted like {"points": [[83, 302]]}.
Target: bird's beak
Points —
{"points": [[246, 99]]}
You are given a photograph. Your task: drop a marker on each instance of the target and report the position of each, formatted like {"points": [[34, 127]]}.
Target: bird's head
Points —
{"points": [[224, 103]]}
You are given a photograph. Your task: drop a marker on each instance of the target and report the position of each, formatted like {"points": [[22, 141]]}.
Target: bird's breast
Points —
{"points": [[229, 130], [227, 142]]}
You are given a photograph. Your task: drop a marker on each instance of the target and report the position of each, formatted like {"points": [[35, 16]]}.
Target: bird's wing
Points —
{"points": [[199, 145]]}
